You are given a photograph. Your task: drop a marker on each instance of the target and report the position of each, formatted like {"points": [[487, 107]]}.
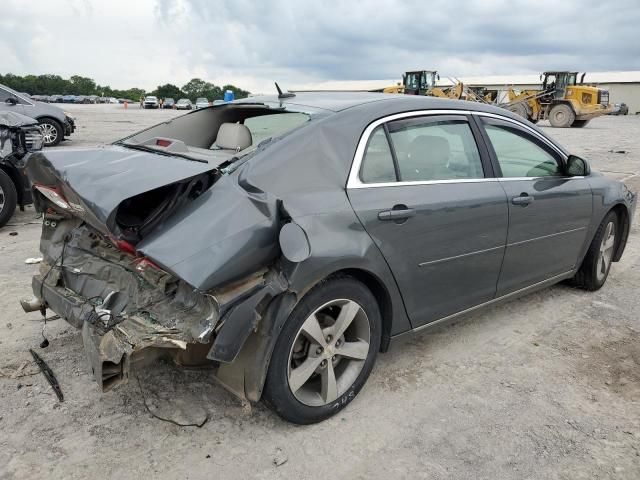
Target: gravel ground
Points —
{"points": [[546, 386]]}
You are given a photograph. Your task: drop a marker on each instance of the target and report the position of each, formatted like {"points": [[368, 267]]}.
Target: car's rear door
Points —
{"points": [[423, 189], [549, 211]]}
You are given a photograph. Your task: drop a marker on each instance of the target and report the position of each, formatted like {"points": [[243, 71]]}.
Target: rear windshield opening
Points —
{"points": [[220, 133]]}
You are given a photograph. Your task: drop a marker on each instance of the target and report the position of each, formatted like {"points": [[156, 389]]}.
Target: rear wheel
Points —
{"points": [[325, 352], [561, 116], [580, 123], [597, 262], [52, 131], [8, 198]]}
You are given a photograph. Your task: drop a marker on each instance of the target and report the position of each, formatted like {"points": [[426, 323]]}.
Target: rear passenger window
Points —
{"points": [[428, 149], [377, 164], [520, 157]]}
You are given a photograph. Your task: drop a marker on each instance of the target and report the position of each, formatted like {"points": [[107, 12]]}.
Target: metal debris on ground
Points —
{"points": [[33, 260], [48, 373], [279, 458]]}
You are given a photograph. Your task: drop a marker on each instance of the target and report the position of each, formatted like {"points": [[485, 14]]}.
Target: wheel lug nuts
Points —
{"points": [[334, 358], [338, 343], [319, 350], [323, 363], [329, 338]]}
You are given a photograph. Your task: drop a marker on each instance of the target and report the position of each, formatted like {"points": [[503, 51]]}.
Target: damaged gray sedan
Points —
{"points": [[286, 240]]}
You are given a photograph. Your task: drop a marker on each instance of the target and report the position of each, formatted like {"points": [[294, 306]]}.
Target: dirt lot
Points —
{"points": [[547, 386]]}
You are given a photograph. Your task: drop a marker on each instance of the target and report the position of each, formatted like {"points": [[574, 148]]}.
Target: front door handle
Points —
{"points": [[398, 212], [523, 200]]}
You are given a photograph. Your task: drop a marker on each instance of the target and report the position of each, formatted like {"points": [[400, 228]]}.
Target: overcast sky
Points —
{"points": [[251, 43]]}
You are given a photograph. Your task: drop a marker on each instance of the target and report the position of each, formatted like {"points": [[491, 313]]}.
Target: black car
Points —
{"points": [[19, 135], [286, 240], [168, 103]]}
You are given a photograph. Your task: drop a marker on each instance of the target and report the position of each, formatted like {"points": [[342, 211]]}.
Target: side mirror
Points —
{"points": [[577, 167], [11, 101]]}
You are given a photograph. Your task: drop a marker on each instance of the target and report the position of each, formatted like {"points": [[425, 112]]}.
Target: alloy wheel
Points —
{"points": [[2, 199], [49, 133], [329, 352], [605, 253]]}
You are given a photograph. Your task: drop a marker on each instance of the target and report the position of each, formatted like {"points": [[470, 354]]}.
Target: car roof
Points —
{"points": [[339, 101]]}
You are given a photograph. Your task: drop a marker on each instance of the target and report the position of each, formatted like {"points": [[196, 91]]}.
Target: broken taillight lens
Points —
{"points": [[161, 142], [145, 263], [125, 246], [54, 195]]}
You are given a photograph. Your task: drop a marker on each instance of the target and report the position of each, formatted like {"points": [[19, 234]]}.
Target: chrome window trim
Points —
{"points": [[354, 182]]}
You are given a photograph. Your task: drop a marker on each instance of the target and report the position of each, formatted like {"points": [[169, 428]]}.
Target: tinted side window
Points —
{"points": [[429, 149], [520, 157], [377, 164]]}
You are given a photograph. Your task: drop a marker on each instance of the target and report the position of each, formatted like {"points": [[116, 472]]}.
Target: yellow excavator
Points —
{"points": [[561, 100], [423, 82]]}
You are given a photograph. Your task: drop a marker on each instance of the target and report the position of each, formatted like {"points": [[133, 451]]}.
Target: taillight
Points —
{"points": [[161, 142], [54, 195], [125, 246], [145, 263]]}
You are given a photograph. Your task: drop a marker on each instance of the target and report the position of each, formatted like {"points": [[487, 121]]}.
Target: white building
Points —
{"points": [[622, 86]]}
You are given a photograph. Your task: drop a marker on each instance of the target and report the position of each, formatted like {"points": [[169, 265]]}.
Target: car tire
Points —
{"points": [[595, 267], [8, 198], [333, 378], [52, 131], [580, 123], [561, 116]]}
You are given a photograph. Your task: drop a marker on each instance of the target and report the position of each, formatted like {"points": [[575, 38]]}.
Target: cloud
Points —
{"points": [[251, 44]]}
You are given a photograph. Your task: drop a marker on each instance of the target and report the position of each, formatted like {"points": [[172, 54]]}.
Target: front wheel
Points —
{"points": [[325, 352], [52, 132], [8, 198], [561, 116], [597, 262]]}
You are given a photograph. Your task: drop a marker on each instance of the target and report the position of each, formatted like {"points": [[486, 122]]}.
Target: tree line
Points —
{"points": [[79, 85]]}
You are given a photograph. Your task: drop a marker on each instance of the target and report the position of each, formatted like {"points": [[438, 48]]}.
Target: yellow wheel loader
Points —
{"points": [[423, 82], [561, 100]]}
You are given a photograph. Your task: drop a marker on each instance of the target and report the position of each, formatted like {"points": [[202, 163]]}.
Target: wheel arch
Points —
{"points": [[380, 292], [624, 220], [13, 174]]}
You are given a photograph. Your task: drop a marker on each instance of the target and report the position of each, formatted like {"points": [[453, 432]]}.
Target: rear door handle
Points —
{"points": [[523, 200], [397, 213]]}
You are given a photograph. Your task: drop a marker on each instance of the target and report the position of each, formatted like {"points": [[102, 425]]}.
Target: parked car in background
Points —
{"points": [[184, 104], [68, 99], [218, 102], [403, 213], [55, 99], [80, 99], [202, 102], [168, 103], [112, 100], [620, 109], [151, 101], [54, 122], [19, 135]]}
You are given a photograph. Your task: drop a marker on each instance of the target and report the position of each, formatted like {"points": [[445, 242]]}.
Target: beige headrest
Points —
{"points": [[233, 136]]}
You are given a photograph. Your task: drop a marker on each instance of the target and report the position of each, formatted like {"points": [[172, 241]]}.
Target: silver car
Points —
{"points": [[54, 122]]}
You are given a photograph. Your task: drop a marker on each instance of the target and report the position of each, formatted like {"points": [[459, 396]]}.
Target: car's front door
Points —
{"points": [[549, 211], [419, 188]]}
